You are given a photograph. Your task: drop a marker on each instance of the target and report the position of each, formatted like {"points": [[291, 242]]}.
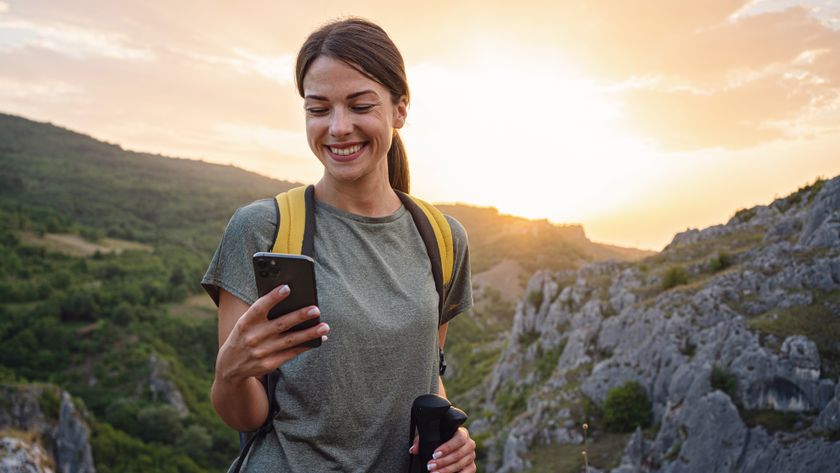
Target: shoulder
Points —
{"points": [[255, 212], [459, 233], [257, 218]]}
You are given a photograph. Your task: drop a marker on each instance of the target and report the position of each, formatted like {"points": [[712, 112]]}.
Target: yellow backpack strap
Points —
{"points": [[292, 212], [443, 235]]}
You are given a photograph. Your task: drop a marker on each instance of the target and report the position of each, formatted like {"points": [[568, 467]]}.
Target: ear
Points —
{"points": [[400, 112]]}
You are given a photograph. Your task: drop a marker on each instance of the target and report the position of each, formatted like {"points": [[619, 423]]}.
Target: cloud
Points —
{"points": [[69, 40], [51, 91], [278, 68], [712, 74], [283, 141]]}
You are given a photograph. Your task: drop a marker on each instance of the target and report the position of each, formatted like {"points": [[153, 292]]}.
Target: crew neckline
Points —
{"points": [[360, 218]]}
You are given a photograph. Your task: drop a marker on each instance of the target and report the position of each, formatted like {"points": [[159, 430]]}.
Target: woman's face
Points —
{"points": [[349, 120]]}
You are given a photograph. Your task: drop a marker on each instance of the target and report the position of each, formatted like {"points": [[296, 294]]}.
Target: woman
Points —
{"points": [[345, 405]]}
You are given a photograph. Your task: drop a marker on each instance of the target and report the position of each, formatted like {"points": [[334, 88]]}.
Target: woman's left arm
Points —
{"points": [[458, 453]]}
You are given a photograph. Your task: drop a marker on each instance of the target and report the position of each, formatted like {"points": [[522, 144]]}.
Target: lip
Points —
{"points": [[349, 157]]}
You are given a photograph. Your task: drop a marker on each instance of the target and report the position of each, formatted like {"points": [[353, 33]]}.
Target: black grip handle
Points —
{"points": [[452, 419], [436, 421]]}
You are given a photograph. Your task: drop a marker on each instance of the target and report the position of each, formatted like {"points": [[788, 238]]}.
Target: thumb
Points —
{"points": [[414, 445]]}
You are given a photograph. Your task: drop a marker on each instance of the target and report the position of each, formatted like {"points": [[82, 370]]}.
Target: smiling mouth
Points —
{"points": [[346, 152]]}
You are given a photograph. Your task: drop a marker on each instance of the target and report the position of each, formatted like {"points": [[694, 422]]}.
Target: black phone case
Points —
{"points": [[272, 270]]}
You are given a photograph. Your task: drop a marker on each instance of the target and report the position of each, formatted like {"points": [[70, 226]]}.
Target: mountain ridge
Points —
{"points": [[730, 333]]}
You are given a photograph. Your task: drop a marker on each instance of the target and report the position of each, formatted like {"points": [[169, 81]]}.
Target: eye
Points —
{"points": [[362, 108], [316, 110]]}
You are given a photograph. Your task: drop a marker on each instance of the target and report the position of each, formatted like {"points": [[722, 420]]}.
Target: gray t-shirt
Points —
{"points": [[346, 405]]}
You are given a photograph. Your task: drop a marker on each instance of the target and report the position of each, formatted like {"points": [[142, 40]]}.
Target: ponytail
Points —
{"points": [[398, 165]]}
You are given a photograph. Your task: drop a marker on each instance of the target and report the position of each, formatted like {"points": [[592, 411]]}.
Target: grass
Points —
{"points": [[535, 297], [471, 347], [674, 276], [603, 453], [528, 337], [772, 420], [815, 321], [547, 362], [74, 245], [512, 400], [724, 380], [199, 307]]}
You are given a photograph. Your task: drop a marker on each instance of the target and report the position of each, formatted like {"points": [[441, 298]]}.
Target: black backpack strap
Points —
{"points": [[421, 221], [308, 248], [429, 239]]}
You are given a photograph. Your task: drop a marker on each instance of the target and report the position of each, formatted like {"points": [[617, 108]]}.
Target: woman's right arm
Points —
{"points": [[251, 345]]}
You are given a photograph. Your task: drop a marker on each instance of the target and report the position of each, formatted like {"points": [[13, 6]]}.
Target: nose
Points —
{"points": [[341, 122]]}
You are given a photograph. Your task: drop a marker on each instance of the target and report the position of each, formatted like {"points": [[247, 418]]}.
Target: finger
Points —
{"points": [[274, 362], [461, 452], [292, 339], [287, 321], [414, 445], [457, 441], [259, 309], [460, 460]]}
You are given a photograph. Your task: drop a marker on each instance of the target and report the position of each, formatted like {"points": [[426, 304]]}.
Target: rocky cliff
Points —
{"points": [[733, 332], [42, 430]]}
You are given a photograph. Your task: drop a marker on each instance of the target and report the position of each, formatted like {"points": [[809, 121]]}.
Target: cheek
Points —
{"points": [[312, 138]]}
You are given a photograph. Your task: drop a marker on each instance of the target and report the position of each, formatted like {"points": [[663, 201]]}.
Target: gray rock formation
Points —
{"points": [[22, 456], [162, 388], [35, 440], [73, 453], [751, 285]]}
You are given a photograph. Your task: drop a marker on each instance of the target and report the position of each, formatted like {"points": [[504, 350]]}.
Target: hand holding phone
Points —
{"points": [[298, 272]]}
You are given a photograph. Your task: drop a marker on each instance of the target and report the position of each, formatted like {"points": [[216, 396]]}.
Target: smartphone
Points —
{"points": [[272, 270]]}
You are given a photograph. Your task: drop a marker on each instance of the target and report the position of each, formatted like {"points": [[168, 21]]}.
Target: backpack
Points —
{"points": [[296, 235]]}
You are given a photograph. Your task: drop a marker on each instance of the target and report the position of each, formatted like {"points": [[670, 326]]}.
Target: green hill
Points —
{"points": [[101, 250]]}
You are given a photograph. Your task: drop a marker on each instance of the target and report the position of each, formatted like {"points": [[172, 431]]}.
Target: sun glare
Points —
{"points": [[522, 129]]}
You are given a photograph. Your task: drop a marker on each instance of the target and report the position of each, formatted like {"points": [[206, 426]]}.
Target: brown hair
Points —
{"points": [[365, 47]]}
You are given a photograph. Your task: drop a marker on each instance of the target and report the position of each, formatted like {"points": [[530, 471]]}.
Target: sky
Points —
{"points": [[637, 119]]}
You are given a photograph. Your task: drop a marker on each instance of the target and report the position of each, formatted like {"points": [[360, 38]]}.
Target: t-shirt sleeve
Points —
{"points": [[458, 296], [252, 228]]}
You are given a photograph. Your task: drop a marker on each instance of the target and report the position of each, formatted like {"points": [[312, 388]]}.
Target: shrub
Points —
{"points": [[744, 215], [535, 297], [195, 441], [159, 423], [627, 407], [720, 262], [675, 276], [723, 380], [528, 337], [50, 402]]}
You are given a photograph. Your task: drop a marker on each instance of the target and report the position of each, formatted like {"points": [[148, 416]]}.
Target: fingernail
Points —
{"points": [[313, 312], [323, 329], [284, 289], [431, 466], [437, 455]]}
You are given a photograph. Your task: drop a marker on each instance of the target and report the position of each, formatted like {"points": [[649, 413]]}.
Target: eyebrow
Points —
{"points": [[351, 96]]}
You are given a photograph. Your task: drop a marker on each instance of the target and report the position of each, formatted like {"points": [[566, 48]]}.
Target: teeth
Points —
{"points": [[346, 151]]}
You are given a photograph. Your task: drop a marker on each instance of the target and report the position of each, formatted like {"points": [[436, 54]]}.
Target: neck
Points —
{"points": [[371, 198]]}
